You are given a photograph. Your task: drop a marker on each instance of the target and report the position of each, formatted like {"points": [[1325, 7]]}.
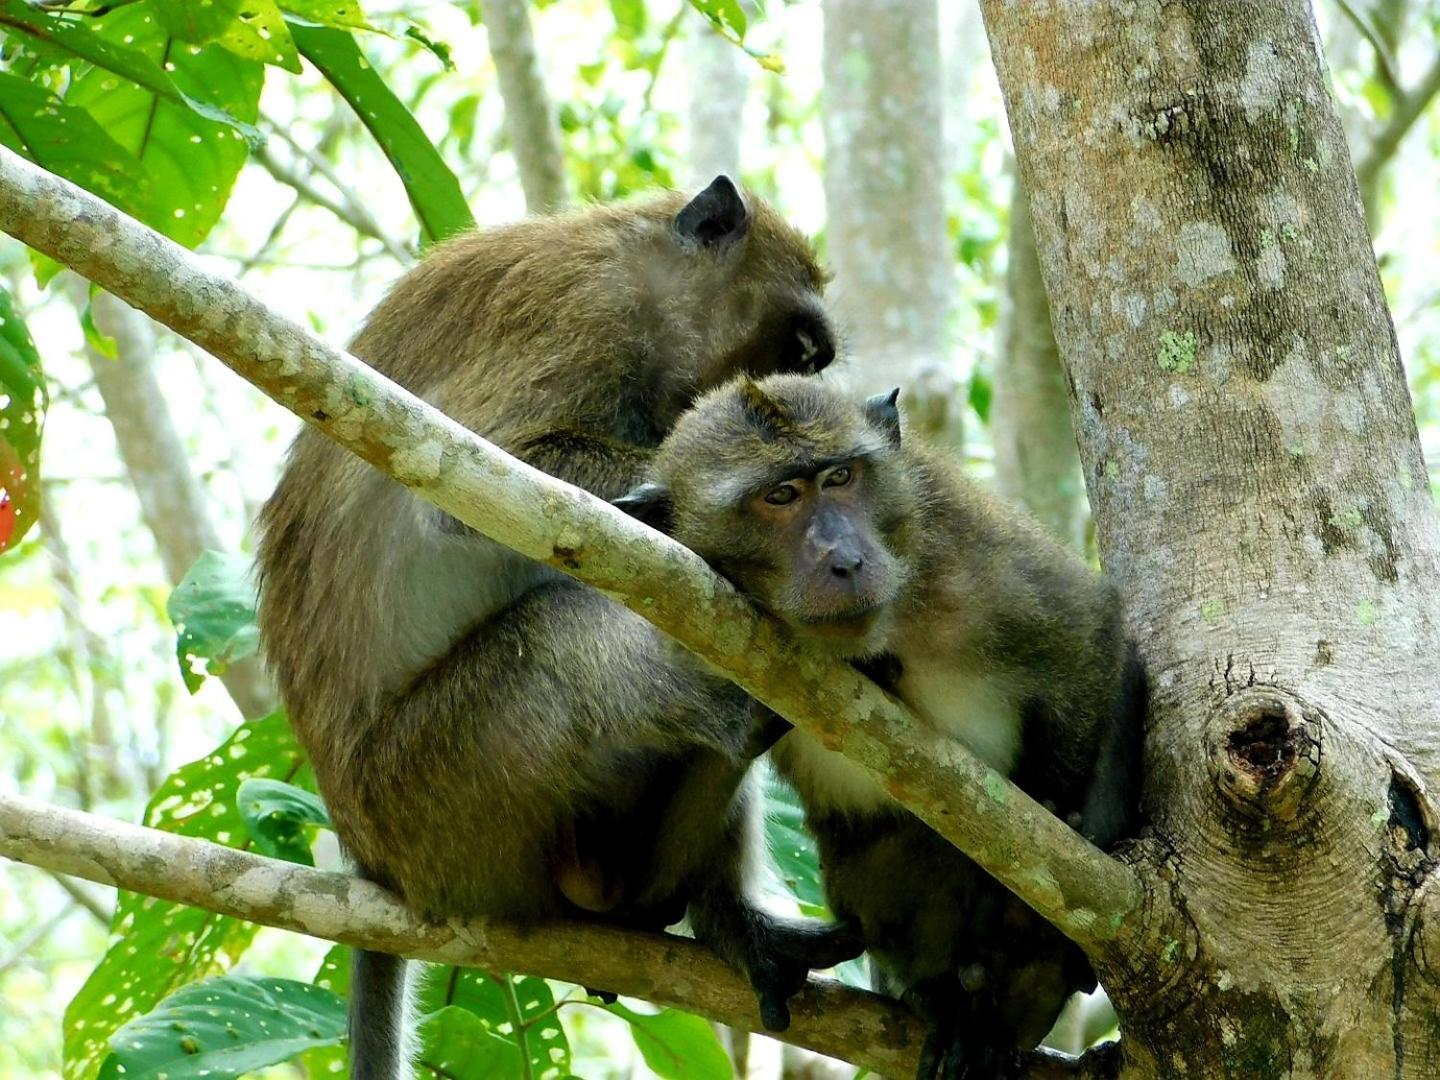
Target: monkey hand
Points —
{"points": [[783, 952], [965, 1039]]}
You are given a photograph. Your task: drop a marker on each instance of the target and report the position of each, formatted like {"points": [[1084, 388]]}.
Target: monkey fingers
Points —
{"points": [[785, 951]]}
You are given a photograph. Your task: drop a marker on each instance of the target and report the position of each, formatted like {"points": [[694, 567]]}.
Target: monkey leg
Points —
{"points": [[775, 953]]}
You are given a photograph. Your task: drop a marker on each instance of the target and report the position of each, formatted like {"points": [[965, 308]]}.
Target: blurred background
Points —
{"points": [[875, 125]]}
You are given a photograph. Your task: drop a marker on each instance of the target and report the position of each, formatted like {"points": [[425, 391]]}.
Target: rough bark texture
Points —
{"points": [[718, 83], [529, 120], [1036, 463], [1092, 898], [172, 503], [885, 204], [1260, 495]]}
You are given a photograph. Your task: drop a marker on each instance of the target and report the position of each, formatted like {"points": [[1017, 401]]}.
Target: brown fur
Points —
{"points": [[993, 632], [480, 727]]}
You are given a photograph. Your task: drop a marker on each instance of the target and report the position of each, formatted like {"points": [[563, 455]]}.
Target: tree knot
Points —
{"points": [[1265, 753]]}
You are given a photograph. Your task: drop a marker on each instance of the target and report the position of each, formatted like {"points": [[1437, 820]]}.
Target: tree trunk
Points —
{"points": [[172, 503], [529, 119], [1036, 463], [884, 194], [1260, 497], [718, 86]]}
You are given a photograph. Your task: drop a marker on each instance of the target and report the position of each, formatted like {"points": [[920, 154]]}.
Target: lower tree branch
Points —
{"points": [[828, 1017], [1088, 896]]}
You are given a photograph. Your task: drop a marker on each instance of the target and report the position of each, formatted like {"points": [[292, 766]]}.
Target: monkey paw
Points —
{"points": [[785, 951]]}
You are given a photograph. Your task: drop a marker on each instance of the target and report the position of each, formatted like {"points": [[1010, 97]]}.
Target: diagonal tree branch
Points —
{"points": [[1087, 895]]}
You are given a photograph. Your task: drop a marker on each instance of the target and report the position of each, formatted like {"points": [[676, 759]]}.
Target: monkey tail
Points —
{"points": [[378, 1049]]}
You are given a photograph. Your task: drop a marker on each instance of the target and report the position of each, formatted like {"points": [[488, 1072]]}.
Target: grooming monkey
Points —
{"points": [[492, 738], [884, 554]]}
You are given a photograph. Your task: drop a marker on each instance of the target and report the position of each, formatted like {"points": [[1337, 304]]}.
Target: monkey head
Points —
{"points": [[799, 496], [731, 275]]}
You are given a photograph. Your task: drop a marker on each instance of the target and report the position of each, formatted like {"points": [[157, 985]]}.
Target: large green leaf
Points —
{"points": [[791, 846], [345, 14], [503, 1005], [454, 1043], [64, 38], [160, 946], [191, 161], [281, 818], [213, 609], [226, 1027], [252, 29], [69, 142], [23, 400], [433, 190], [676, 1045]]}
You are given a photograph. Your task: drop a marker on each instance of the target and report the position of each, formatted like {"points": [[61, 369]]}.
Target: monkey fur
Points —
{"points": [[492, 738], [885, 554]]}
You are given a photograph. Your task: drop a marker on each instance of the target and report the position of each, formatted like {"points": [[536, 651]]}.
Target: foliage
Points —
{"points": [[213, 610], [159, 946], [23, 400]]}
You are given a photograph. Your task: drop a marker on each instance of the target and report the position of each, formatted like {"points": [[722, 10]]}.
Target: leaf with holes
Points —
{"points": [[343, 14], [162, 946], [516, 1002], [453, 1043], [281, 818], [213, 611], [792, 847], [60, 38], [225, 1028], [433, 190], [69, 142], [676, 1045], [191, 161], [23, 399], [251, 29]]}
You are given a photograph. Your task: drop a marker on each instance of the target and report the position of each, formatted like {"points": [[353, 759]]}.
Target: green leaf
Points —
{"points": [[71, 40], [161, 946], [982, 392], [229, 1026], [629, 17], [23, 400], [213, 610], [454, 1043], [251, 29], [280, 818], [439, 49], [433, 189], [676, 1045], [69, 142], [191, 161], [501, 1004], [99, 342], [791, 846], [344, 14]]}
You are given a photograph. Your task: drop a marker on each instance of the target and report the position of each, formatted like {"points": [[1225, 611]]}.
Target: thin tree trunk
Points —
{"points": [[172, 503], [719, 83], [529, 120], [1036, 463], [1261, 499], [885, 204]]}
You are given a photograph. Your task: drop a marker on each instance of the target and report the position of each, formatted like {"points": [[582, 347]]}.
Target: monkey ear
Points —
{"points": [[649, 503], [715, 218], [883, 411]]}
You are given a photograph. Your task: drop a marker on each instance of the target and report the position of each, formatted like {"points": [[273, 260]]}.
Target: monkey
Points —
{"points": [[886, 555], [492, 738]]}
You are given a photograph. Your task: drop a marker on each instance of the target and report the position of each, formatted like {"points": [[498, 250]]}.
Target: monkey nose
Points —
{"points": [[846, 566]]}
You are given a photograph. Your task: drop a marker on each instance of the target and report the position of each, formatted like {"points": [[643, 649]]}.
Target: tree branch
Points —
{"points": [[860, 1027], [1409, 107], [1088, 896]]}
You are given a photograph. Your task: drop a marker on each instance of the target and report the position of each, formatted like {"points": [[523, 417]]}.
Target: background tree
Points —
{"points": [[345, 191]]}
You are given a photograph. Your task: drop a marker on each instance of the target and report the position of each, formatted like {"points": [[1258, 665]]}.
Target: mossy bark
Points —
{"points": [[1259, 494]]}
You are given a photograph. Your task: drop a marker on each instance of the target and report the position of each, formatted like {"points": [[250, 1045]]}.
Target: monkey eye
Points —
{"points": [[783, 495], [838, 477]]}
